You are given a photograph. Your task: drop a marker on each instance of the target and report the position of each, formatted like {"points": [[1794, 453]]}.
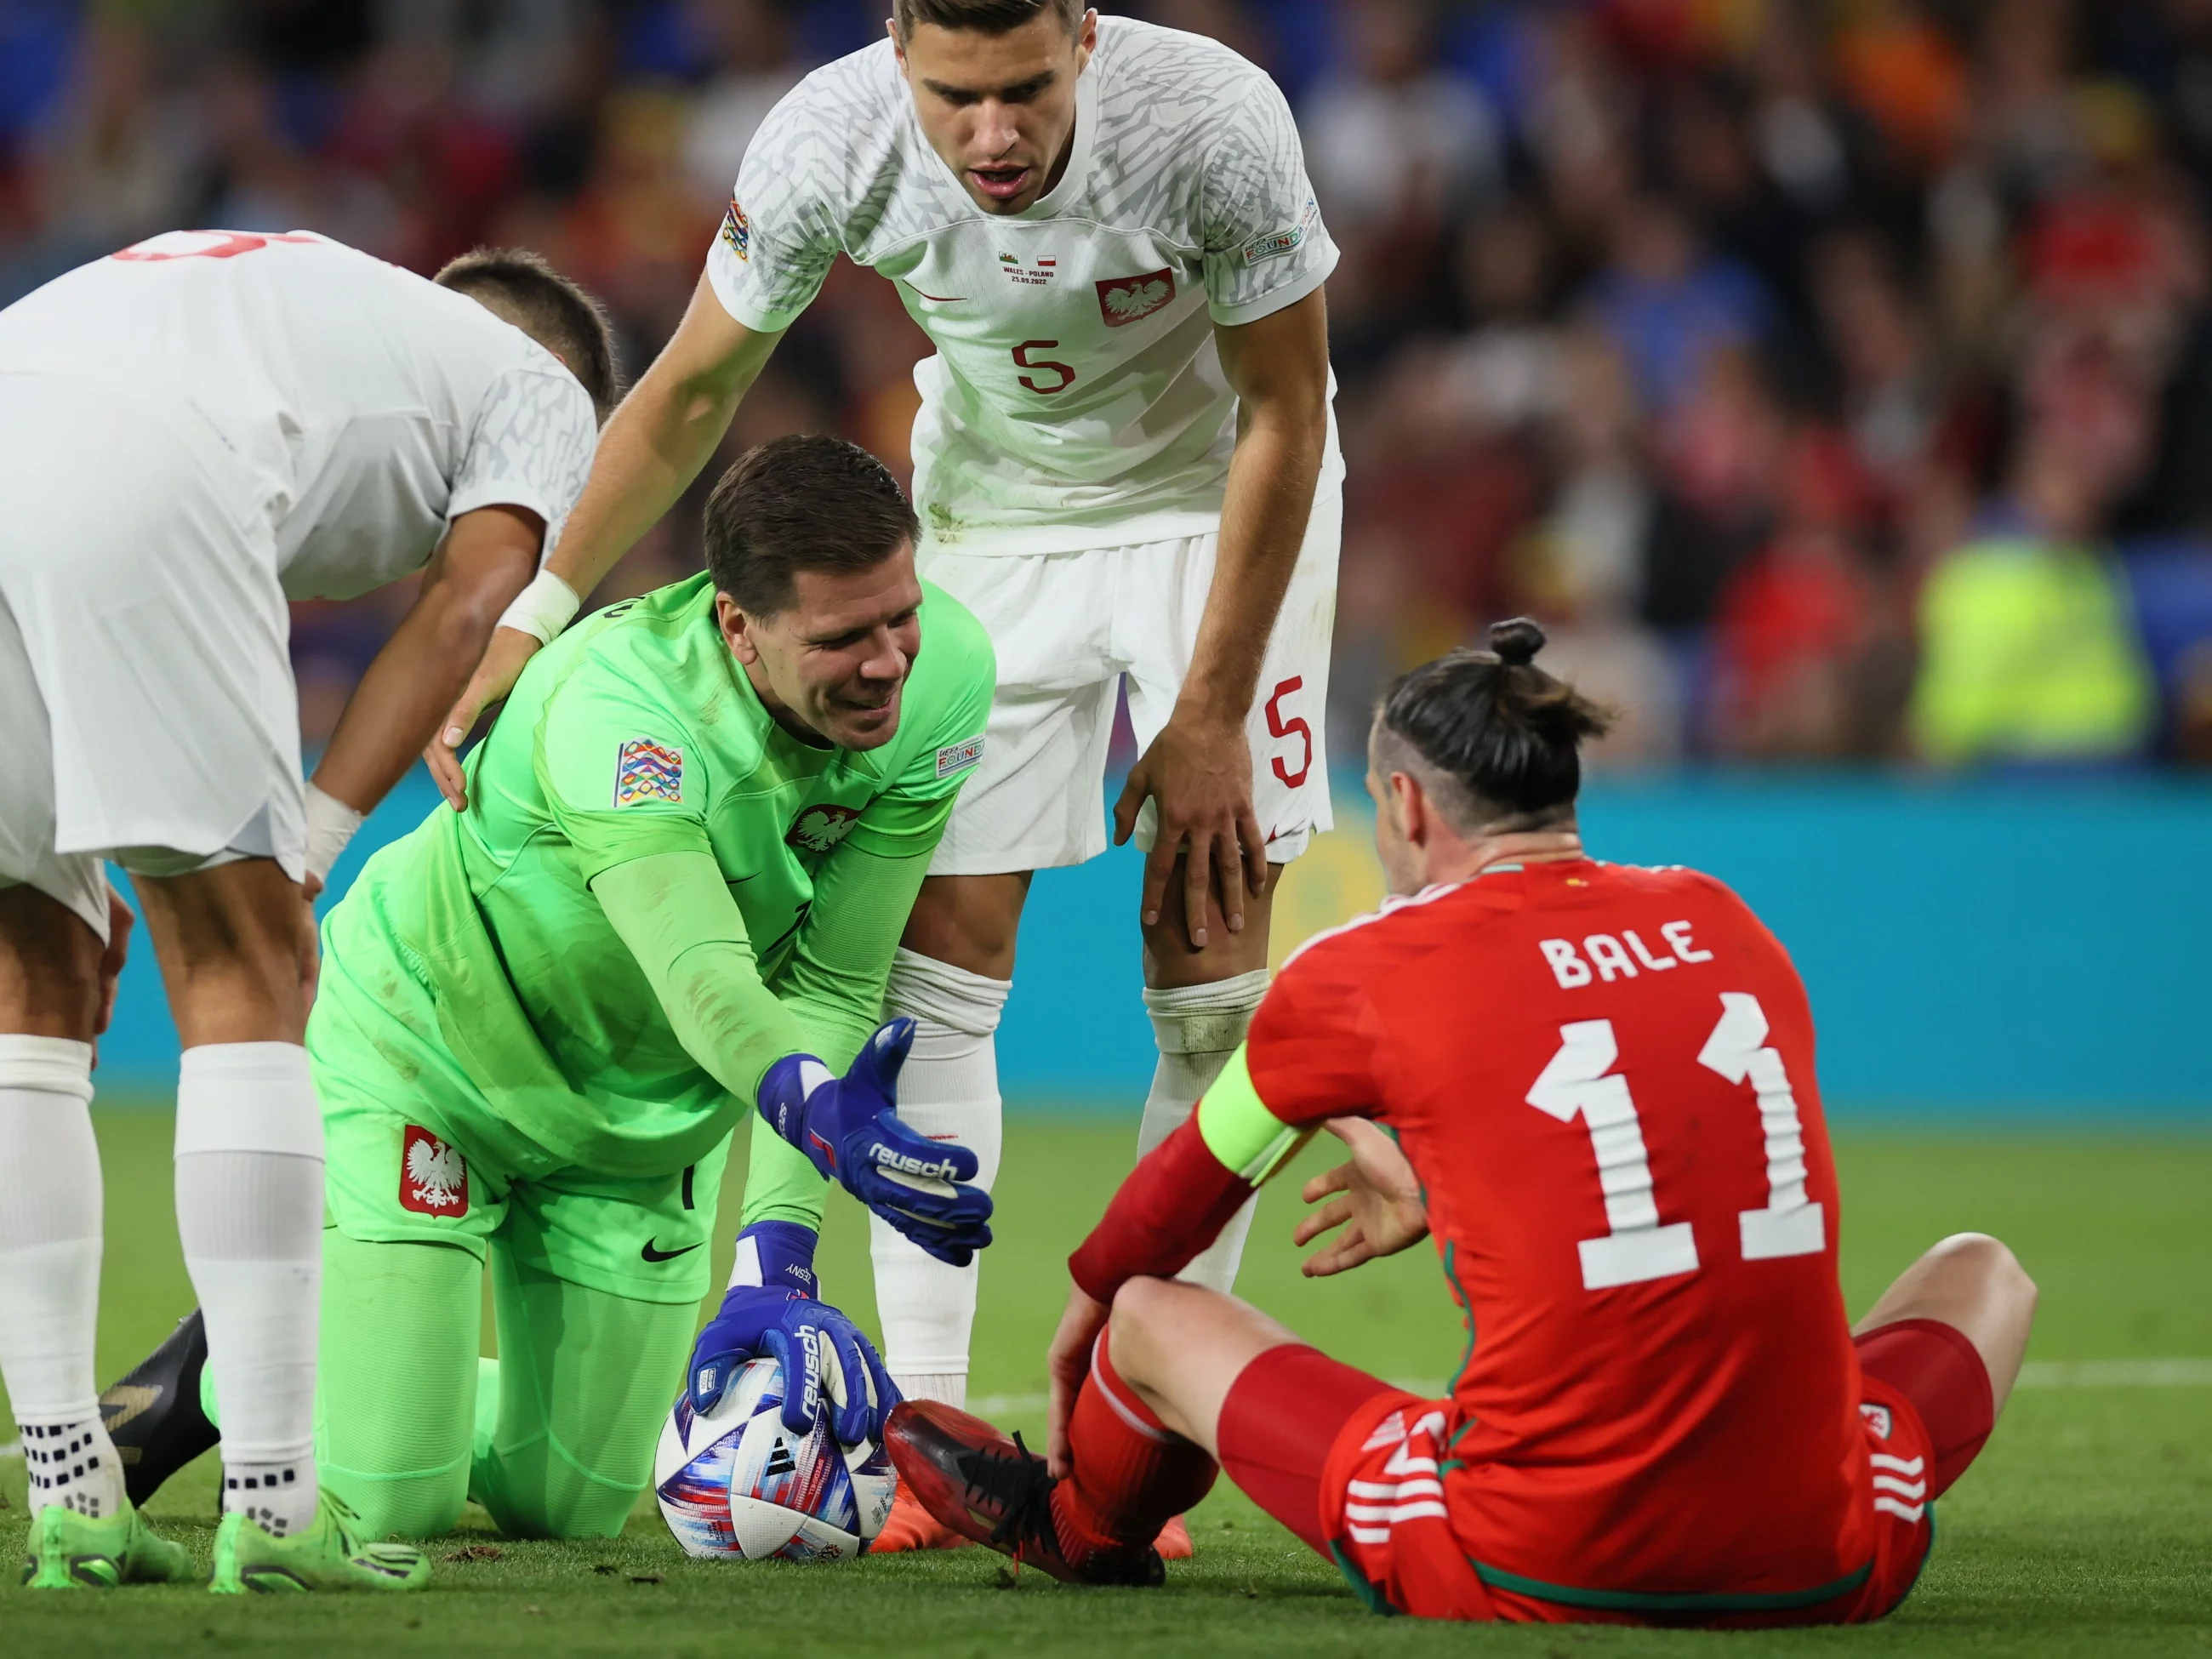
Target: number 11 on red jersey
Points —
{"points": [[1637, 1246]]}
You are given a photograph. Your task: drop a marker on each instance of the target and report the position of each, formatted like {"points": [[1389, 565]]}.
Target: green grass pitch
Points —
{"points": [[2086, 1527]]}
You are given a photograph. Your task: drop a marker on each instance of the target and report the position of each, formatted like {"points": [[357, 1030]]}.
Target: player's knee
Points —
{"points": [[1989, 1272], [968, 922], [55, 959], [1998, 1270], [1143, 1308], [1990, 1264], [566, 1513]]}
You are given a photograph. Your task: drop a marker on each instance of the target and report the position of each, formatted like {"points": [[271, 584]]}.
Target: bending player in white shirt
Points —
{"points": [[193, 431], [1125, 464]]}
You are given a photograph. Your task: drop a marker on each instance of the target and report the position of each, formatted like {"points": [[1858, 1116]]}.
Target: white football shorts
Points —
{"points": [[1066, 627], [146, 707]]}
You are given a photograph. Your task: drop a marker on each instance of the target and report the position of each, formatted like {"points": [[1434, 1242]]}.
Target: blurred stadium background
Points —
{"points": [[1833, 378]]}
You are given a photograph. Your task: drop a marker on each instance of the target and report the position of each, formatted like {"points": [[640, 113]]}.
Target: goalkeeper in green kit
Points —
{"points": [[689, 847]]}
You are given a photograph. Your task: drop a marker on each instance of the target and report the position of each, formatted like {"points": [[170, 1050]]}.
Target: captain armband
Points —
{"points": [[1240, 1131]]}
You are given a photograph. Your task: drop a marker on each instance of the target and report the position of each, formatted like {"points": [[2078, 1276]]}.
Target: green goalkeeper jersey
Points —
{"points": [[635, 735]]}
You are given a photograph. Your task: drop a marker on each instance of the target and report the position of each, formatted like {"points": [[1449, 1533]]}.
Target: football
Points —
{"points": [[734, 1482]]}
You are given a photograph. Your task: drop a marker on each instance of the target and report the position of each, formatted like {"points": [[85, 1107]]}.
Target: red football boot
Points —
{"points": [[996, 1491], [1173, 1542]]}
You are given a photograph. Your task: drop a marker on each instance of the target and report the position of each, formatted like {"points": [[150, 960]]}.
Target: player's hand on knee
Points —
{"points": [[849, 1128], [825, 1357], [1198, 775]]}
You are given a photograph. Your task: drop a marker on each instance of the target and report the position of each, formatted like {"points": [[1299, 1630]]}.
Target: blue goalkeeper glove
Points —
{"points": [[772, 1312], [849, 1127]]}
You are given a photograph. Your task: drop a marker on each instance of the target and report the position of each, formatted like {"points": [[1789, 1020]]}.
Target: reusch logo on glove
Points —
{"points": [[811, 1342], [941, 1168]]}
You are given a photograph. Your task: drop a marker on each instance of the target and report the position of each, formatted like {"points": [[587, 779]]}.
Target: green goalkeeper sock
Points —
{"points": [[397, 1395]]}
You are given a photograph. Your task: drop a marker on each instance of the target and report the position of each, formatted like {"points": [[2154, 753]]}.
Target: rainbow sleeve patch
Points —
{"points": [[646, 771]]}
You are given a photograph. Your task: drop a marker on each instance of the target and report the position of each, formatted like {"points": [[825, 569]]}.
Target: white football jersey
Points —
{"points": [[1076, 393], [367, 406]]}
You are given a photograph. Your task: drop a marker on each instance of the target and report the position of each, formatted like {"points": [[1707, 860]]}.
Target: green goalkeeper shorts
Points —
{"points": [[406, 1165]]}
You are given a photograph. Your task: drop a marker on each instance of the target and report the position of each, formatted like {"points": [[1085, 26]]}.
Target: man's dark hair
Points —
{"points": [[521, 288], [1496, 739], [801, 503], [990, 17]]}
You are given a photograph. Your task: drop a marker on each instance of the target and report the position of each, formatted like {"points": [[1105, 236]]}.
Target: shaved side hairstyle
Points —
{"points": [[989, 16], [805, 502], [520, 287], [1495, 740]]}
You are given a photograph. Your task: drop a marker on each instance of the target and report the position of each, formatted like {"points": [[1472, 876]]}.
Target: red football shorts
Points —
{"points": [[1351, 1464]]}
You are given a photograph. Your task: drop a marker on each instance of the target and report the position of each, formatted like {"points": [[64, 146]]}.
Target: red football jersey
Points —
{"points": [[1604, 1077]]}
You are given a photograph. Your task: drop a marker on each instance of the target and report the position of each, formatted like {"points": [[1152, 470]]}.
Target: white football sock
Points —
{"points": [[49, 1239], [1198, 1027], [249, 1215], [949, 1089]]}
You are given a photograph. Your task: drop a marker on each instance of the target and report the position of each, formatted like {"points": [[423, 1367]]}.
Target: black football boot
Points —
{"points": [[997, 1491], [153, 1414]]}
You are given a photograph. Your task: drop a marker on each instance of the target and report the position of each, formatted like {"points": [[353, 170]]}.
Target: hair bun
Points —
{"points": [[1515, 643]]}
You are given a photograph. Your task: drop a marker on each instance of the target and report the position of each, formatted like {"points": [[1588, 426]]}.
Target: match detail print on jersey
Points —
{"points": [[1636, 1247], [646, 771]]}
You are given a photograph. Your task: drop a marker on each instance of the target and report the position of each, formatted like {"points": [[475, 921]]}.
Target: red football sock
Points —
{"points": [[1132, 1476]]}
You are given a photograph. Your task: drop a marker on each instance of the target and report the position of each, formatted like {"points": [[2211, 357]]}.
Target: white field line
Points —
{"points": [[2116, 1374], [1009, 1405]]}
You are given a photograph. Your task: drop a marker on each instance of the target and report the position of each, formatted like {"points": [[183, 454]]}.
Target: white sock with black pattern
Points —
{"points": [[49, 1247], [250, 1217]]}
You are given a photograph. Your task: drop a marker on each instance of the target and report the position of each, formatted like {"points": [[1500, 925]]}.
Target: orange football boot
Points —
{"points": [[911, 1527]]}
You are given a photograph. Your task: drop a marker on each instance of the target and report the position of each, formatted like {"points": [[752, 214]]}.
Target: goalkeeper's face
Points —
{"points": [[830, 666]]}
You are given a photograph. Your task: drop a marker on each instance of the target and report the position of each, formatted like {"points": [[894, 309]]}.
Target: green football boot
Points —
{"points": [[67, 1552], [330, 1555]]}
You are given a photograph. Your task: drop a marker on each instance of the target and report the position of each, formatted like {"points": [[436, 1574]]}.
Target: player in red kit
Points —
{"points": [[1593, 1086]]}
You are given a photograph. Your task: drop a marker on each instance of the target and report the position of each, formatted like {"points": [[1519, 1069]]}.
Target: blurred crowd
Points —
{"points": [[1832, 378]]}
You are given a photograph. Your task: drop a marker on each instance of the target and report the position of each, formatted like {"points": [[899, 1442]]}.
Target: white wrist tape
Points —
{"points": [[331, 825], [543, 609]]}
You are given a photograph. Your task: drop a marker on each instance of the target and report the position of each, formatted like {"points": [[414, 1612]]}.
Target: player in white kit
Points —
{"points": [[1125, 464], [193, 431]]}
